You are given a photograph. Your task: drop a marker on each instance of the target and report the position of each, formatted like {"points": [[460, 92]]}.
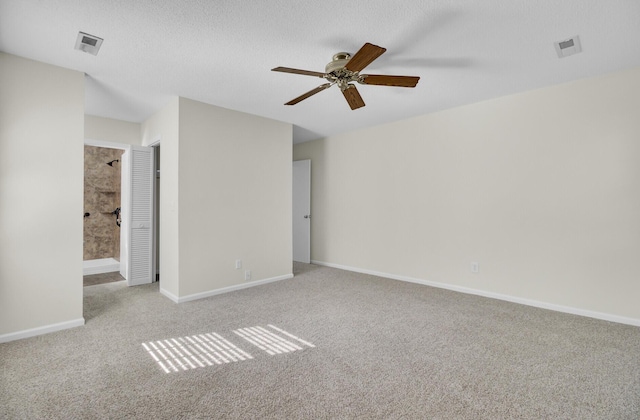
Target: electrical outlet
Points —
{"points": [[238, 264], [475, 267], [247, 275]]}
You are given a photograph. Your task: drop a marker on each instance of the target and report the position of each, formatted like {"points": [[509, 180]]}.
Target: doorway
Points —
{"points": [[137, 227], [101, 213], [302, 211], [156, 212]]}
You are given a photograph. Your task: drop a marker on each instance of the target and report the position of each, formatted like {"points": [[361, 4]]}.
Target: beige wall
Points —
{"points": [[225, 195], [41, 175], [235, 197], [163, 126], [115, 131], [541, 188]]}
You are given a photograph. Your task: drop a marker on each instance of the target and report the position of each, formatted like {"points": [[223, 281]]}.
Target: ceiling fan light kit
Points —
{"points": [[344, 70]]}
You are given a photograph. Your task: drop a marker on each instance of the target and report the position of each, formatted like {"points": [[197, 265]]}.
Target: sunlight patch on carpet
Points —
{"points": [[196, 351], [270, 342]]}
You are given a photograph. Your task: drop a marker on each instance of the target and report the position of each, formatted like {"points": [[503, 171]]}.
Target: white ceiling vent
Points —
{"points": [[88, 43], [568, 47]]}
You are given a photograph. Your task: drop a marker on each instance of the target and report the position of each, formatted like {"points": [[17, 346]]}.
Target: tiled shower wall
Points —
{"points": [[101, 198]]}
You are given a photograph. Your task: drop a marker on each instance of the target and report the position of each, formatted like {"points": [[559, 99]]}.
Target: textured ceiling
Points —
{"points": [[221, 52]]}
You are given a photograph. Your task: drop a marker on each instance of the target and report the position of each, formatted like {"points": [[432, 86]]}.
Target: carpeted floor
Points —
{"points": [[383, 349]]}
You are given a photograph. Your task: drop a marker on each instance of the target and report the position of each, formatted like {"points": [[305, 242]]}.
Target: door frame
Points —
{"points": [[155, 216], [125, 252]]}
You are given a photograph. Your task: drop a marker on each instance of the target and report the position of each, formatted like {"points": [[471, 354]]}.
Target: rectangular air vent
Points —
{"points": [[88, 43], [568, 47]]}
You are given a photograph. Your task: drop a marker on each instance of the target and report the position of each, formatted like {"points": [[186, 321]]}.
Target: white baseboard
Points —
{"points": [[499, 296], [168, 294], [99, 266], [19, 335], [228, 289]]}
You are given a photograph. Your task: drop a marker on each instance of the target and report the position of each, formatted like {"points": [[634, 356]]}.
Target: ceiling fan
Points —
{"points": [[345, 69]]}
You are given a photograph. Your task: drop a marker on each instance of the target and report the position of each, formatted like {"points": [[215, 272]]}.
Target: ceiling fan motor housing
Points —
{"points": [[337, 73], [338, 62]]}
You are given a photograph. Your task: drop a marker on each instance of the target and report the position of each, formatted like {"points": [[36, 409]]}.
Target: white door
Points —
{"points": [[140, 217], [302, 211]]}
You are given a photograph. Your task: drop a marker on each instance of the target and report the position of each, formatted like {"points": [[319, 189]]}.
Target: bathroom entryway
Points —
{"points": [[102, 204], [129, 184]]}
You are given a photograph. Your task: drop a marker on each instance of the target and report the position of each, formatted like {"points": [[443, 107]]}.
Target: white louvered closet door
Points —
{"points": [[141, 217]]}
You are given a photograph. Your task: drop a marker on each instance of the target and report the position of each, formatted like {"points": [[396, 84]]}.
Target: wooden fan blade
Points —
{"points": [[297, 71], [353, 97], [379, 79], [364, 57], [310, 93]]}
